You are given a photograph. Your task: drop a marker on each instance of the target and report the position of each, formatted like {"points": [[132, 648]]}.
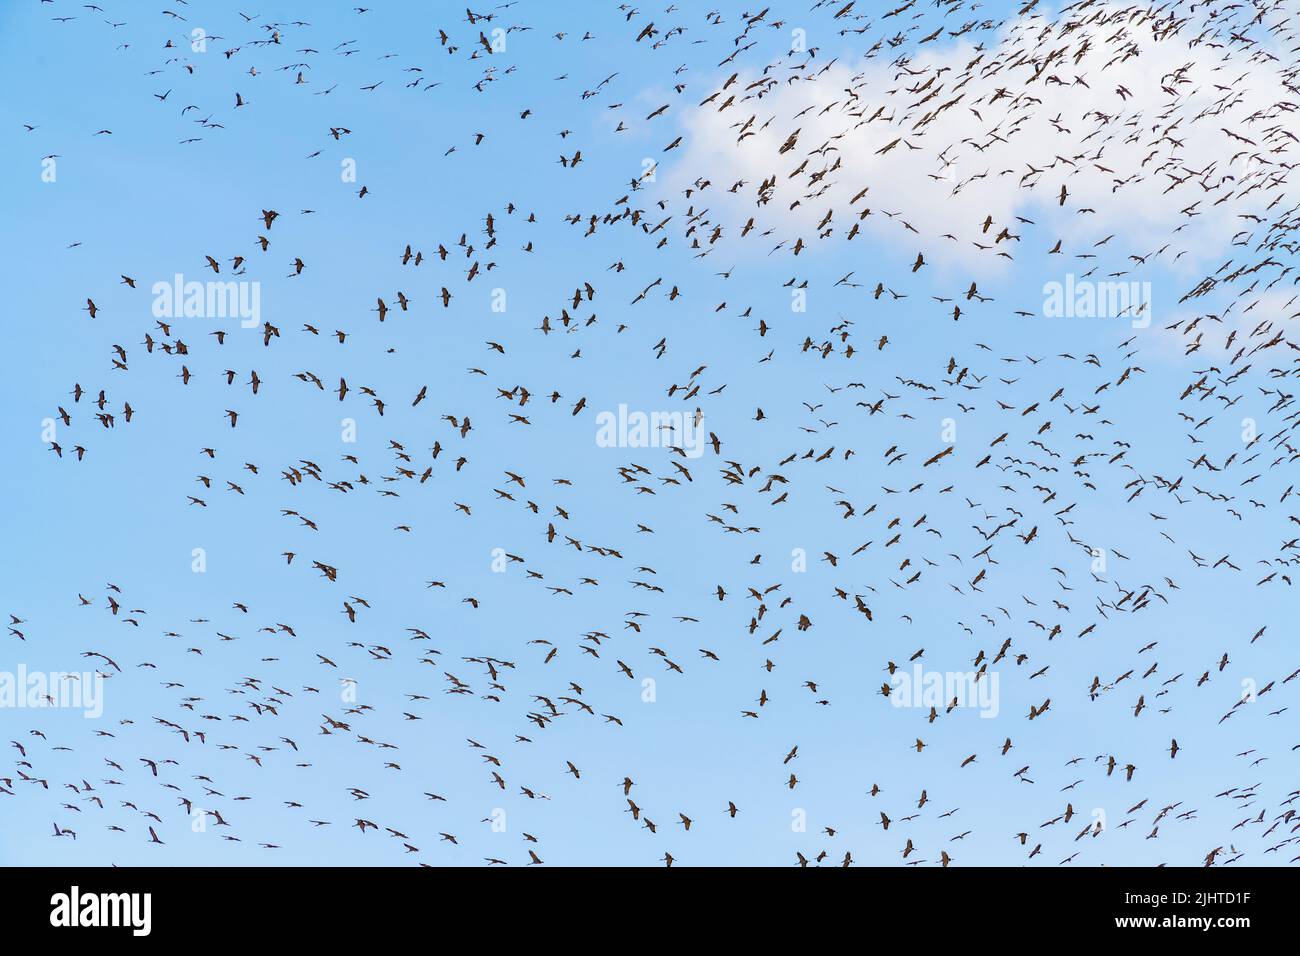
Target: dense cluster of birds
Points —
{"points": [[1021, 108]]}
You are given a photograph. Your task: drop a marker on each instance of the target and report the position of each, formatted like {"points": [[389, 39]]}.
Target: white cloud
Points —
{"points": [[1137, 124]]}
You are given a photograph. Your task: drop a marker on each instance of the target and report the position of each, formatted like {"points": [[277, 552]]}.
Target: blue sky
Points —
{"points": [[140, 202]]}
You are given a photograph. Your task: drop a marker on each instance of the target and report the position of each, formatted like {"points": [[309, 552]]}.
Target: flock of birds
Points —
{"points": [[887, 509]]}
